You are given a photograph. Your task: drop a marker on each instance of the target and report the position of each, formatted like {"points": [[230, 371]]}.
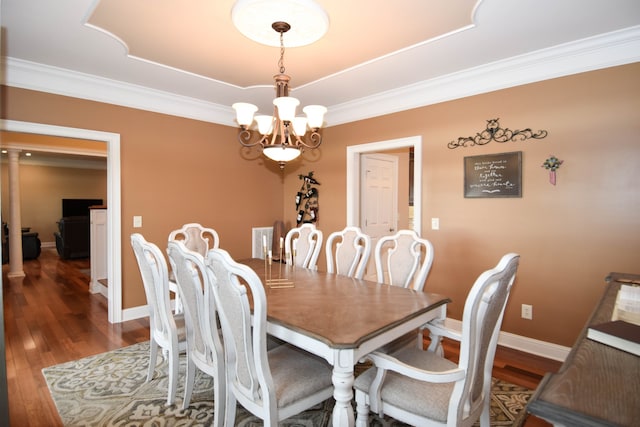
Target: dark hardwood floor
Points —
{"points": [[50, 317]]}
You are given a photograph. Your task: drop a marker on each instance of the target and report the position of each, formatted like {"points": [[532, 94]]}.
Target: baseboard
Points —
{"points": [[98, 288], [135, 313], [48, 244], [518, 342], [139, 312]]}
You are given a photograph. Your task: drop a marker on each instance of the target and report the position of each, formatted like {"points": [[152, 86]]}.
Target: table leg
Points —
{"points": [[436, 340], [343, 393]]}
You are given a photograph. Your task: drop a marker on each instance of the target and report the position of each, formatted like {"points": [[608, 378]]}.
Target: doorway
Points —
{"points": [[354, 154], [114, 262], [378, 195]]}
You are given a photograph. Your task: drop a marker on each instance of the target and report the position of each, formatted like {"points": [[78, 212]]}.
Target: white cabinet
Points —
{"points": [[98, 247]]}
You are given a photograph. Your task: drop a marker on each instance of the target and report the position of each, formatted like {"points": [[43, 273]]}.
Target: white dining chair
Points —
{"points": [[204, 343], [273, 385], [403, 259], [303, 245], [167, 330], [423, 388], [348, 251]]}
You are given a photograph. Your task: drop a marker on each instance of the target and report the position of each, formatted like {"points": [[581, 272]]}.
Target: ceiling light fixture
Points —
{"points": [[283, 136]]}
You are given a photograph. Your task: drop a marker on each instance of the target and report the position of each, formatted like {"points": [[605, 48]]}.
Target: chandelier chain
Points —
{"points": [[281, 61]]}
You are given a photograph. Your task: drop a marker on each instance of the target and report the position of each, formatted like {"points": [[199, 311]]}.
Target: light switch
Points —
{"points": [[435, 223], [137, 221]]}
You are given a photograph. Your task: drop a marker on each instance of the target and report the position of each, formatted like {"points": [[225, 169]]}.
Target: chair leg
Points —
{"points": [[174, 363], [219, 397], [229, 409], [189, 382], [362, 411], [485, 416], [153, 358]]}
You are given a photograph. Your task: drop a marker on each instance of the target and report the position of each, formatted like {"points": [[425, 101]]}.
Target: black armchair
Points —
{"points": [[31, 245]]}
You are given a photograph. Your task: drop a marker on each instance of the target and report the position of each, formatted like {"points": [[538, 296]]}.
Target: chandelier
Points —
{"points": [[282, 136]]}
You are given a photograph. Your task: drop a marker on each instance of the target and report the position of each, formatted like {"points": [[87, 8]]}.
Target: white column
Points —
{"points": [[15, 222]]}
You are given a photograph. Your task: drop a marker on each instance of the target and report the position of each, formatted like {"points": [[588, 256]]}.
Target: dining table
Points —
{"points": [[340, 318]]}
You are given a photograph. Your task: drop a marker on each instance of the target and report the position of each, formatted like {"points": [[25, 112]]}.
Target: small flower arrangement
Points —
{"points": [[552, 164]]}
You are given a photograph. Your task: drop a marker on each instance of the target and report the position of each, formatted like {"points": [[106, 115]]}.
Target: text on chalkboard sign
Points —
{"points": [[493, 175]]}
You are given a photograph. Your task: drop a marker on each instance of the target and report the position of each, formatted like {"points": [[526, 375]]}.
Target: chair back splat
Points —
{"points": [[348, 251], [303, 245], [196, 237], [403, 259], [166, 329], [422, 387], [273, 385]]}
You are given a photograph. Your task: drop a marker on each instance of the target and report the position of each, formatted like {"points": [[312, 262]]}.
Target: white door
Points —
{"points": [[378, 198]]}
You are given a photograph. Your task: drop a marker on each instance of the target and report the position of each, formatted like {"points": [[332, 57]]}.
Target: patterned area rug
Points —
{"points": [[109, 389]]}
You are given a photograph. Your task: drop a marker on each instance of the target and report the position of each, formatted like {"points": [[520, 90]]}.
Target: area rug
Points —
{"points": [[109, 389]]}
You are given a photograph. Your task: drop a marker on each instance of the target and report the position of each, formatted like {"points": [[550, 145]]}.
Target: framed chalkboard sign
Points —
{"points": [[493, 175]]}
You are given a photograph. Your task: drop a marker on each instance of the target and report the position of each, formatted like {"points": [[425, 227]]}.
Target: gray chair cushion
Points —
{"points": [[427, 399]]}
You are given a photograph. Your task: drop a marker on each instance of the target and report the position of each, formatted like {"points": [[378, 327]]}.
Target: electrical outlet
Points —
{"points": [[137, 221], [527, 311], [435, 223]]}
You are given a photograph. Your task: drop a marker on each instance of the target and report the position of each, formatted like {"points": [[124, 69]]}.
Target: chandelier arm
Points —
{"points": [[314, 140], [244, 136], [274, 135]]}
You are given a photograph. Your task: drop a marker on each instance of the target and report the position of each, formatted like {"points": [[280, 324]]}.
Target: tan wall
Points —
{"points": [[570, 236], [173, 171], [42, 189]]}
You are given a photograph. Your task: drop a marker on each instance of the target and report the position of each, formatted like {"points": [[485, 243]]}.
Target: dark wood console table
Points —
{"points": [[597, 385]]}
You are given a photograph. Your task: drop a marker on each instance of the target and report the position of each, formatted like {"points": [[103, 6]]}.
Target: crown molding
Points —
{"points": [[603, 51], [45, 78]]}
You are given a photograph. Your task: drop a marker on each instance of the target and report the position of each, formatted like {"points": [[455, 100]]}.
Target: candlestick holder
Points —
{"points": [[278, 282]]}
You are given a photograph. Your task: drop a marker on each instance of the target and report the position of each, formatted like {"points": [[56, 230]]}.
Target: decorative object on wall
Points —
{"points": [[493, 175], [494, 132], [281, 136], [552, 164], [307, 200]]}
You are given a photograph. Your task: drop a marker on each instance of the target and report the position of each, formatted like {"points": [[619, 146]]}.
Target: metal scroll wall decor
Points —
{"points": [[307, 200], [494, 132]]}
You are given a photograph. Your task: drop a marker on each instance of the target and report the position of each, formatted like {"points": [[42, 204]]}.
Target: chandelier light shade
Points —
{"points": [[283, 136]]}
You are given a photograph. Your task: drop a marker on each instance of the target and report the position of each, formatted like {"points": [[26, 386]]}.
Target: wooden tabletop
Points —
{"points": [[597, 385], [339, 310]]}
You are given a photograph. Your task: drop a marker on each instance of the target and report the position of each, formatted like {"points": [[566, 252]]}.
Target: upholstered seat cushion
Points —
{"points": [[297, 374], [427, 399]]}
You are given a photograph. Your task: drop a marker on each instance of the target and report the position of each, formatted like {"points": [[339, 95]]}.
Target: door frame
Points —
{"points": [[114, 241], [353, 176]]}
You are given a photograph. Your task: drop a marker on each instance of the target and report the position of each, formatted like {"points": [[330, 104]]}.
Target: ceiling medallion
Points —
{"points": [[253, 18]]}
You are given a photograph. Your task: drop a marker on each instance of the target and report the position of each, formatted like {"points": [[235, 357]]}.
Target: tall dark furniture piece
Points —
{"points": [[72, 238], [73, 235]]}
